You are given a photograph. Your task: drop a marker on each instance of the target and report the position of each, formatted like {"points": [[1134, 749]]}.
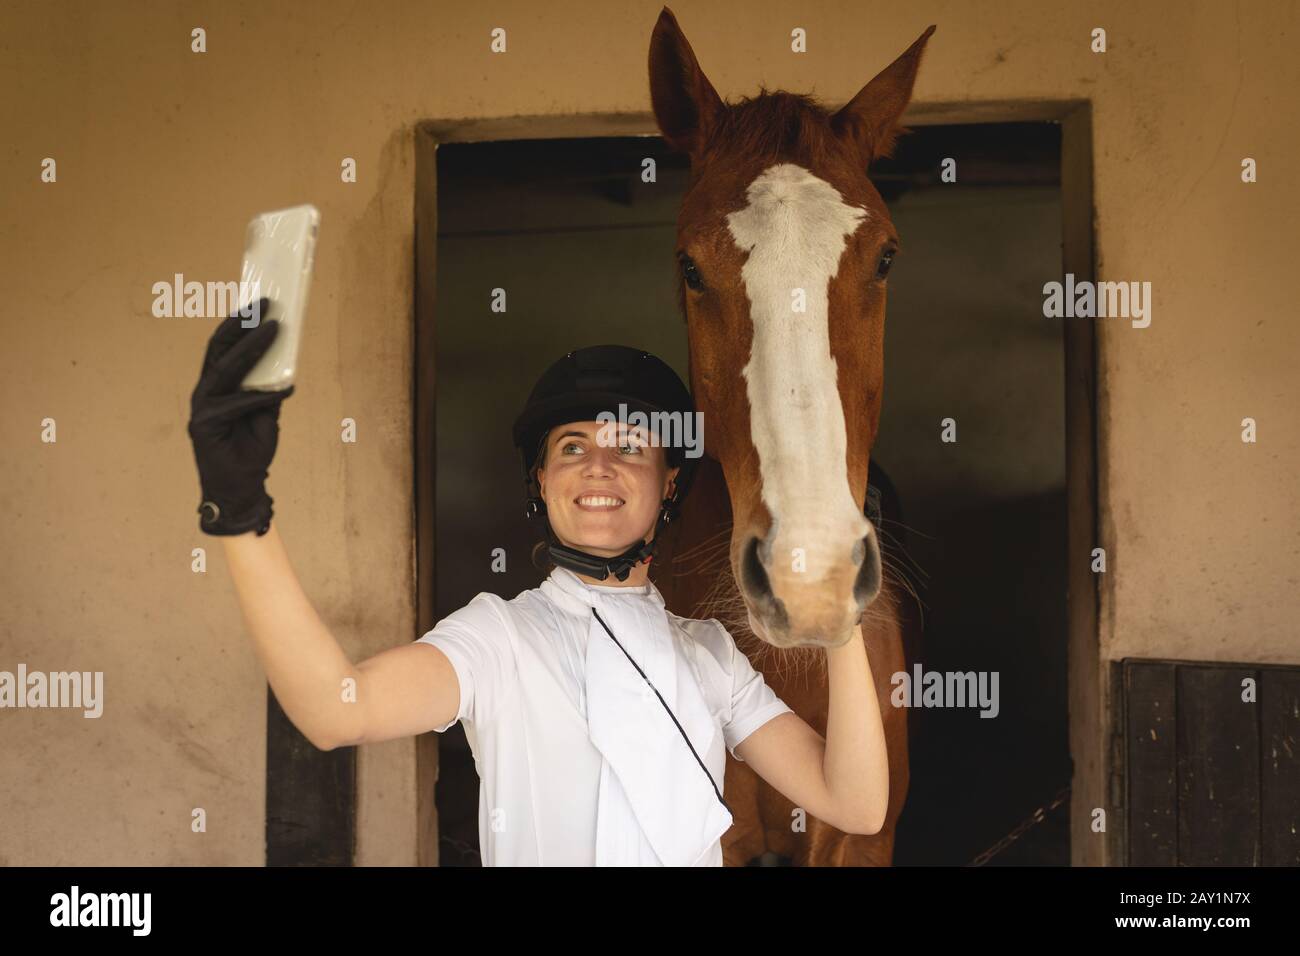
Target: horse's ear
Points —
{"points": [[870, 119], [686, 105]]}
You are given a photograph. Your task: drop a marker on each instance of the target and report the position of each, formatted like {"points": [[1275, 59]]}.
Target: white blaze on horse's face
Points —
{"points": [[795, 229]]}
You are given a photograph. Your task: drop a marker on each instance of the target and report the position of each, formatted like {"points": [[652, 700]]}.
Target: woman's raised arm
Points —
{"points": [[405, 690]]}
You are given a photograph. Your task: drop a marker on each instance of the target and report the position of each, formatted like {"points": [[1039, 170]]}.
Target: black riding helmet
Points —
{"points": [[578, 387]]}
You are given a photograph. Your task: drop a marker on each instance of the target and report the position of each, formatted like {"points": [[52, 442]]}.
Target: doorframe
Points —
{"points": [[1089, 691]]}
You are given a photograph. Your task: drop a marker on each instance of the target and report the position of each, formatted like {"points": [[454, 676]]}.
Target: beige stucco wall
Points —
{"points": [[163, 154]]}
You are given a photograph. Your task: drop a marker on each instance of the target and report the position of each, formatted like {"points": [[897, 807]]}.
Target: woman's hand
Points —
{"points": [[235, 431]]}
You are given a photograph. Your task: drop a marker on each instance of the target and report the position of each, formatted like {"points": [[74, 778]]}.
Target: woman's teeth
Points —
{"points": [[599, 501]]}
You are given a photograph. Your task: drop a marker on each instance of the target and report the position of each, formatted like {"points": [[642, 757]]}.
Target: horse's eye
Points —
{"points": [[690, 273], [886, 260]]}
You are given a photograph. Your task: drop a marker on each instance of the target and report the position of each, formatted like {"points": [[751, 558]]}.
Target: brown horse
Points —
{"points": [[784, 245]]}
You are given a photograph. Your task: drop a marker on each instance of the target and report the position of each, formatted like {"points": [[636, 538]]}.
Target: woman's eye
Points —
{"points": [[636, 449], [690, 273], [886, 260]]}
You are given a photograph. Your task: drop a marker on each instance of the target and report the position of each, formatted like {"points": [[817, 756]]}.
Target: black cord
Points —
{"points": [[666, 707]]}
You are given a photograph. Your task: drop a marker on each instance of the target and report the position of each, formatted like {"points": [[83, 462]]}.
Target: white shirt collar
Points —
{"points": [[574, 594]]}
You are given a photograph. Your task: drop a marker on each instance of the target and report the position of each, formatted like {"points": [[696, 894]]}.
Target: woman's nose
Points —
{"points": [[600, 461]]}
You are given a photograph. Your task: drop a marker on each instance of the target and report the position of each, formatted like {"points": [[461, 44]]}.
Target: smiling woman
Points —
{"points": [[578, 453], [601, 497]]}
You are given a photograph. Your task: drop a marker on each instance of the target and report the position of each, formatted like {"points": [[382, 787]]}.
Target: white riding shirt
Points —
{"points": [[578, 762]]}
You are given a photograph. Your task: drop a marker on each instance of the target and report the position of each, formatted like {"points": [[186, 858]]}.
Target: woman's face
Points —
{"points": [[579, 476]]}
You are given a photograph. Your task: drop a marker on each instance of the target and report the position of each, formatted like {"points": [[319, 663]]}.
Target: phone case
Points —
{"points": [[279, 249]]}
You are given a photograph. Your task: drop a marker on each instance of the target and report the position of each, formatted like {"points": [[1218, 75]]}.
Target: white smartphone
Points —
{"points": [[279, 248]]}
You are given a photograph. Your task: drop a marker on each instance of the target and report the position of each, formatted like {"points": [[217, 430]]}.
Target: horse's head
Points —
{"points": [[784, 244]]}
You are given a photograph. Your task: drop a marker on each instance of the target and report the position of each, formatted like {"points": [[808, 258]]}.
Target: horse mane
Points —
{"points": [[777, 123]]}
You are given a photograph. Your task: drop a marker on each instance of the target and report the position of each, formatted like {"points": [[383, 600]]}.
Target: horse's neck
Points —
{"points": [[693, 568]]}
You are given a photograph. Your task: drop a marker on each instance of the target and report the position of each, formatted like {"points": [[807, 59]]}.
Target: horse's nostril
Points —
{"points": [[753, 574], [867, 585]]}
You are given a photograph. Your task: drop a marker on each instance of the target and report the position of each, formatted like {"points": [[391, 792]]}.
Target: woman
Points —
{"points": [[598, 720]]}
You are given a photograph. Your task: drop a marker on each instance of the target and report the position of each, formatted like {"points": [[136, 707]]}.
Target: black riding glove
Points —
{"points": [[235, 431]]}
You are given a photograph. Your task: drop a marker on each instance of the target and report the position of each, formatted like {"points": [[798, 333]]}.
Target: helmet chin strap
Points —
{"points": [[598, 566]]}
